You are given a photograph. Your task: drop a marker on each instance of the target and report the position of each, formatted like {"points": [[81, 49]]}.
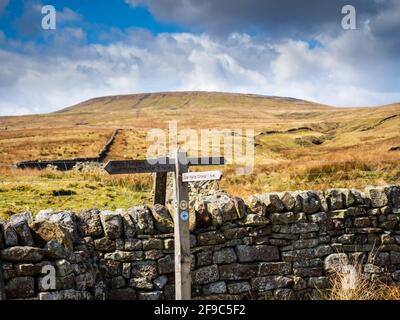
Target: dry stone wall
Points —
{"points": [[273, 246]]}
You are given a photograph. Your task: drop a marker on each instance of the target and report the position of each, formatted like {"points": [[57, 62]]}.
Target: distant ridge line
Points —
{"points": [[145, 95]]}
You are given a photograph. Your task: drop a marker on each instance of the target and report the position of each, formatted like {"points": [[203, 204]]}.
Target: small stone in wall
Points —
{"points": [[112, 224], [105, 245], [283, 218], [305, 243], [153, 254], [162, 219], [44, 214], [255, 220], [377, 196], [284, 294], [22, 254], [116, 282], [45, 230], [349, 198], [119, 244], [133, 244], [309, 201], [204, 258], [10, 235], [215, 215], [257, 253], [239, 287], [215, 288], [28, 269], [160, 282], [85, 281], [89, 223], [20, 287], [141, 283], [210, 238], [290, 201], [143, 219], [393, 195], [126, 270], [64, 218], [299, 283], [224, 256], [303, 227], [318, 217], [128, 224], [27, 216], [272, 203], [323, 251], [169, 244], [235, 233], [152, 244], [63, 267], [124, 256], [166, 264], [256, 205], [335, 199], [110, 268], [238, 271], [205, 275], [318, 282], [362, 222], [323, 203], [21, 227], [200, 218], [240, 206], [54, 249], [146, 269], [274, 268], [395, 257], [270, 283], [222, 208]]}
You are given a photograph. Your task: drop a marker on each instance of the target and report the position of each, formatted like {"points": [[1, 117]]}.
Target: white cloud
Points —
{"points": [[43, 79]]}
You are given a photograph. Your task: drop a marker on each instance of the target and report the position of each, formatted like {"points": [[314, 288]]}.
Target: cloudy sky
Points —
{"points": [[272, 47]]}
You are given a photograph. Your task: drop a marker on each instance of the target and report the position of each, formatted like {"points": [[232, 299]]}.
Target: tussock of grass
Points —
{"points": [[349, 282]]}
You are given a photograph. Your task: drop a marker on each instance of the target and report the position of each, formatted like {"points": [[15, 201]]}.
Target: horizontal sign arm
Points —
{"points": [[164, 164]]}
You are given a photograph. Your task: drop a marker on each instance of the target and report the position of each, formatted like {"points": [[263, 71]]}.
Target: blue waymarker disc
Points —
{"points": [[184, 215]]}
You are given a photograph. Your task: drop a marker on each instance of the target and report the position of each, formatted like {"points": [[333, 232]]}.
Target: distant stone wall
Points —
{"points": [[69, 164], [274, 246]]}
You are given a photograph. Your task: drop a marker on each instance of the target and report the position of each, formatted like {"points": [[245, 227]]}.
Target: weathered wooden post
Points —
{"points": [[179, 165], [160, 188], [181, 230]]}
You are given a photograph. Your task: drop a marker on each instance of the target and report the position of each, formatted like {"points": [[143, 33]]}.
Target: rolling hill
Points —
{"points": [[298, 144]]}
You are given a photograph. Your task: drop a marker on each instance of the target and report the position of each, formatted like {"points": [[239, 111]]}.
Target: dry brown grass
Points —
{"points": [[362, 290], [348, 281], [50, 143]]}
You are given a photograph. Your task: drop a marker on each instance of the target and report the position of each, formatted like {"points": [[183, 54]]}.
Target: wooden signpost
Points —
{"points": [[178, 164]]}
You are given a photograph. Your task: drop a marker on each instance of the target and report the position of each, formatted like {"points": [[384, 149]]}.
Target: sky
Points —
{"points": [[272, 47]]}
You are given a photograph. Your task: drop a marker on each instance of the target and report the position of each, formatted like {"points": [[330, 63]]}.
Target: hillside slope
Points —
{"points": [[79, 130], [154, 109], [298, 145]]}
